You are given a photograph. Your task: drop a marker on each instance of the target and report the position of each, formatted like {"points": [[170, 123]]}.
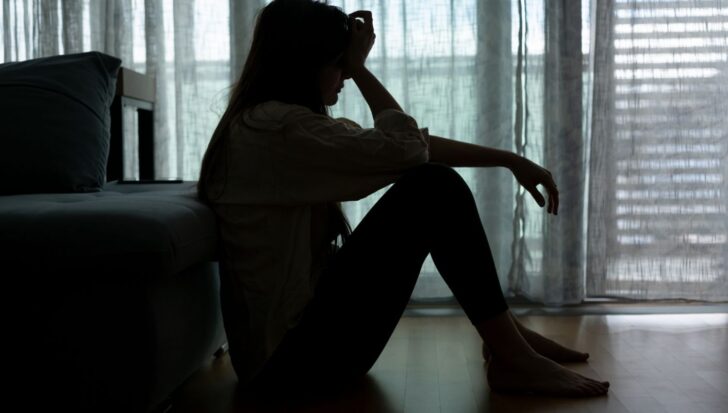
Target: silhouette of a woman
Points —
{"points": [[307, 303]]}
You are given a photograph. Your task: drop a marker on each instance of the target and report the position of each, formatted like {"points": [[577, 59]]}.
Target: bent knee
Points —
{"points": [[435, 179], [435, 173]]}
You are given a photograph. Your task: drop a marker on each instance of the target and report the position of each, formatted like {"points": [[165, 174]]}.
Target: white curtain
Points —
{"points": [[623, 100], [506, 74]]}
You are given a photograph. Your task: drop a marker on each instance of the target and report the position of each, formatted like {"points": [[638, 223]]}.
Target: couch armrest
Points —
{"points": [[135, 85], [134, 91]]}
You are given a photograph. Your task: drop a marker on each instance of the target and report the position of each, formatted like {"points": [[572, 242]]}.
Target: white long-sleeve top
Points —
{"points": [[282, 163]]}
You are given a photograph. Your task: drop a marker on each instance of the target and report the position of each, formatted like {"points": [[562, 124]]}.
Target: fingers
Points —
{"points": [[537, 196], [530, 176], [553, 199], [367, 27], [365, 15], [362, 40], [550, 207], [553, 192]]}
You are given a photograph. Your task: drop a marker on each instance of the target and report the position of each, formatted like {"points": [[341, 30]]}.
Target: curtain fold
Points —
{"points": [[185, 80], [156, 63], [48, 27], [243, 15], [601, 193], [7, 35], [72, 17], [494, 93], [563, 246], [113, 29], [518, 280]]}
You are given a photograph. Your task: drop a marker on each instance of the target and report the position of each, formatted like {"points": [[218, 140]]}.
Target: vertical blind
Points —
{"points": [[659, 177]]}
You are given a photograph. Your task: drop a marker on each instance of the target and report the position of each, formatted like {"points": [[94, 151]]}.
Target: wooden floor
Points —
{"points": [[655, 363]]}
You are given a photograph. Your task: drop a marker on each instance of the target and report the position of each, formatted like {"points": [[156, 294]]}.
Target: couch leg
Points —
{"points": [[221, 351]]}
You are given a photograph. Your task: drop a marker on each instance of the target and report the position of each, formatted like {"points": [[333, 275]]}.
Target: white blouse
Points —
{"points": [[281, 161]]}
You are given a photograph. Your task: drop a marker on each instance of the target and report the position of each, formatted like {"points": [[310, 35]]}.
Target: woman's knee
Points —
{"points": [[434, 179]]}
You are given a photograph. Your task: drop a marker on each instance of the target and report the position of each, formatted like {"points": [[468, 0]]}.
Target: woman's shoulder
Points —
{"points": [[279, 110], [275, 114]]}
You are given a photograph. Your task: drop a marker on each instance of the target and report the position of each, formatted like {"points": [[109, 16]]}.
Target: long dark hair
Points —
{"points": [[292, 41]]}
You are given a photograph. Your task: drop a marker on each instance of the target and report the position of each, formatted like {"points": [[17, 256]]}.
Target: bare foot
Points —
{"points": [[546, 347], [551, 349], [541, 376]]}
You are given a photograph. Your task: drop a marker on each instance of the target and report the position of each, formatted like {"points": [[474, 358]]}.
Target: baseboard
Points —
{"points": [[588, 308]]}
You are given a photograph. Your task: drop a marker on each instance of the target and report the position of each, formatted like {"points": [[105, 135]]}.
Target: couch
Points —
{"points": [[111, 289]]}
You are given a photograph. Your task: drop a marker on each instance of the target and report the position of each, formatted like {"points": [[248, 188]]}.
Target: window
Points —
{"points": [[667, 130]]}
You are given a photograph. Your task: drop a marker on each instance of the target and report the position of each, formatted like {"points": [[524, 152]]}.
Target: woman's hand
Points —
{"points": [[530, 175], [362, 40]]}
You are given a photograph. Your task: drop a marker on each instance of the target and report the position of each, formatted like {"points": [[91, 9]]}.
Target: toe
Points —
{"points": [[598, 389], [593, 381]]}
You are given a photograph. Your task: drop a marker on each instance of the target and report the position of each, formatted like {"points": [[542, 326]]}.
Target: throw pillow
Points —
{"points": [[55, 123]]}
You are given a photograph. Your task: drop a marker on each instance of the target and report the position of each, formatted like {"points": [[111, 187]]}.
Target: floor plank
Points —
{"points": [[655, 363]]}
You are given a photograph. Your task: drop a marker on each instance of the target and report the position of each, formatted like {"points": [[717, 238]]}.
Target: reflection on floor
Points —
{"points": [[655, 363]]}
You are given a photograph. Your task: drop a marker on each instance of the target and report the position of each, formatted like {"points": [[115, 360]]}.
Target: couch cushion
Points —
{"points": [[153, 231], [54, 113]]}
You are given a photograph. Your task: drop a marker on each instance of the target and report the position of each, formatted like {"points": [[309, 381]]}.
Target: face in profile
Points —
{"points": [[331, 81]]}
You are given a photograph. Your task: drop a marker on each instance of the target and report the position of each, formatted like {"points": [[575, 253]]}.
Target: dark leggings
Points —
{"points": [[367, 285]]}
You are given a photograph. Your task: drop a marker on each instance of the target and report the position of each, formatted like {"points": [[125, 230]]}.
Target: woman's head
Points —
{"points": [[295, 55], [295, 58]]}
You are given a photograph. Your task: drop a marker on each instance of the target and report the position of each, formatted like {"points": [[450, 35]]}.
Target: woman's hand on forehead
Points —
{"points": [[362, 19], [362, 40]]}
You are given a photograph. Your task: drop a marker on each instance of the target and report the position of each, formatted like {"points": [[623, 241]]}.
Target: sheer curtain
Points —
{"points": [[623, 100], [506, 74]]}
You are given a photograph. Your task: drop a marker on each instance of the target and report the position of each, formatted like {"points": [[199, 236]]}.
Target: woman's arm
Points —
{"points": [[362, 39], [447, 151], [377, 96], [461, 154], [528, 174]]}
